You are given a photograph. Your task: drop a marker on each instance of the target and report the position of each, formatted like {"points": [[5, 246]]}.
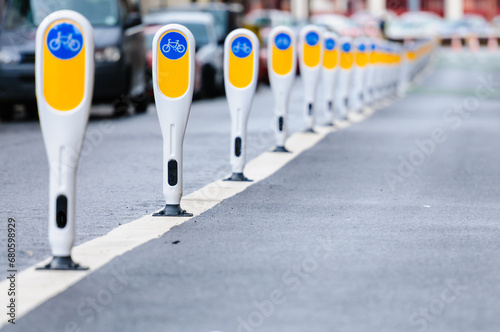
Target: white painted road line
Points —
{"points": [[36, 287]]}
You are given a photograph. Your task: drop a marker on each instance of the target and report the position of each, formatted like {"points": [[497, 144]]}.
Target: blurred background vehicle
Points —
{"points": [[340, 24], [261, 21], [209, 74], [414, 25], [120, 58], [227, 16], [464, 27]]}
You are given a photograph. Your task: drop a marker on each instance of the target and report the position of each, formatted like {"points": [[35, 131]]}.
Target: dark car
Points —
{"points": [[120, 58], [227, 17]]}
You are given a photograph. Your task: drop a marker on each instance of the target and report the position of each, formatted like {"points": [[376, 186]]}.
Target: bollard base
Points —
{"points": [[281, 149], [310, 130], [172, 210], [238, 177], [62, 263]]}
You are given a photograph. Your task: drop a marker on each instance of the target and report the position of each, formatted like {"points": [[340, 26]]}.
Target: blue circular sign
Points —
{"points": [[65, 41], [374, 47], [346, 47], [282, 41], [330, 44], [362, 47], [312, 38], [173, 45], [241, 46]]}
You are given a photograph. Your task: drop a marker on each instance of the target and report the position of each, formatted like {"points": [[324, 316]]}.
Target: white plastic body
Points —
{"points": [[369, 76], [344, 82], [63, 133], [310, 75], [329, 81], [173, 114], [357, 88], [281, 85], [240, 99]]}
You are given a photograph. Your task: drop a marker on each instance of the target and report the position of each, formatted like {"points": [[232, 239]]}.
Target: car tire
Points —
{"points": [[140, 103], [6, 111], [31, 110], [120, 108], [209, 88]]}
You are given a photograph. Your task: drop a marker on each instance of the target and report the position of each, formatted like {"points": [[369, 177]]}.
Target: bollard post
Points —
{"points": [[241, 65], [358, 77], [282, 68], [329, 75], [344, 75], [64, 70], [371, 72], [311, 56], [173, 80]]}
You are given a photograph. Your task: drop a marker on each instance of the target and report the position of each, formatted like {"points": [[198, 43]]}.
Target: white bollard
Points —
{"points": [[370, 72], [344, 76], [282, 68], [241, 66], [173, 80], [359, 75], [311, 56], [329, 74], [64, 69]]}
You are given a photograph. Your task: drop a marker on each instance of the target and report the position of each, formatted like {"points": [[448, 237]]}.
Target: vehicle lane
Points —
{"points": [[328, 240]]}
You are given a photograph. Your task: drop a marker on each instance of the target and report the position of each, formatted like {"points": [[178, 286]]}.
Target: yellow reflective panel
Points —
{"points": [[64, 65]]}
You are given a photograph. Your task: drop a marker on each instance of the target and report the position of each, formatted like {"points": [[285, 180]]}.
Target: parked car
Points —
{"points": [[227, 17], [120, 58], [465, 26], [209, 53], [414, 25]]}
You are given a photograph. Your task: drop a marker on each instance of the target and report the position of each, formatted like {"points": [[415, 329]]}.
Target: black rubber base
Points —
{"points": [[238, 177], [62, 263], [172, 210], [310, 130], [281, 149]]}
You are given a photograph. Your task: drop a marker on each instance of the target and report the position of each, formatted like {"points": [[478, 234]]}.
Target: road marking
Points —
{"points": [[36, 287]]}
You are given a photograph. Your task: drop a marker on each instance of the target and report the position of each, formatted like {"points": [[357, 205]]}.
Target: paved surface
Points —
{"points": [[120, 172], [388, 225]]}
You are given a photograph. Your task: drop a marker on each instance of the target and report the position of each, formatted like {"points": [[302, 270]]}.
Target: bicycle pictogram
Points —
{"points": [[66, 41], [312, 38], [175, 46], [243, 47]]}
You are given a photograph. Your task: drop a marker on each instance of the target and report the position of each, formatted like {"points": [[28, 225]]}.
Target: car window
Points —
{"points": [[32, 12], [199, 32]]}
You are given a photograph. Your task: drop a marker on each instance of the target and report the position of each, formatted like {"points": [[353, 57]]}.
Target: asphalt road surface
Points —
{"points": [[391, 224]]}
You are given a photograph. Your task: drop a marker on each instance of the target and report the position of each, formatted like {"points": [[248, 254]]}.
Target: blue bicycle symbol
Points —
{"points": [[173, 46], [64, 41], [282, 41], [241, 47], [330, 44], [67, 41], [312, 38]]}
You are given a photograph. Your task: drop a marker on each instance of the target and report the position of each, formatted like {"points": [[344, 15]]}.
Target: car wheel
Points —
{"points": [[209, 87], [31, 110], [120, 108], [140, 103], [6, 111]]}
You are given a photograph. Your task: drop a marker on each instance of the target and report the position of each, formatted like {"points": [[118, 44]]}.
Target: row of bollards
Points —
{"points": [[354, 74]]}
